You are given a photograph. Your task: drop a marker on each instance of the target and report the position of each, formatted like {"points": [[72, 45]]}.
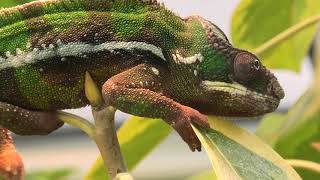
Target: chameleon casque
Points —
{"points": [[148, 62]]}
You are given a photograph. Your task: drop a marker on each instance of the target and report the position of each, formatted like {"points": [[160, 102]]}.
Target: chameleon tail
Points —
{"points": [[11, 165]]}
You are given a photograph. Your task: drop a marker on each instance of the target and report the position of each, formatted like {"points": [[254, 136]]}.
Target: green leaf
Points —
{"points": [[269, 128], [137, 137], [204, 176], [256, 22], [236, 154], [58, 174], [10, 3], [123, 176], [297, 131]]}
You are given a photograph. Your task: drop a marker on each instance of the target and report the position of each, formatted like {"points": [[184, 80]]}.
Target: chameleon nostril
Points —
{"points": [[277, 90]]}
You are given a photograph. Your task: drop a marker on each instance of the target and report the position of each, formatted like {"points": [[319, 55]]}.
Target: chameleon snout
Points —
{"points": [[275, 88]]}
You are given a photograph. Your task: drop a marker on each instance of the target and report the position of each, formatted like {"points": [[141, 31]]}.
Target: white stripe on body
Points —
{"points": [[74, 49]]}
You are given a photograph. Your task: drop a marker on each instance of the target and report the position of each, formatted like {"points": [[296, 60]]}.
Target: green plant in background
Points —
{"points": [[293, 134], [10, 3], [58, 174], [234, 153]]}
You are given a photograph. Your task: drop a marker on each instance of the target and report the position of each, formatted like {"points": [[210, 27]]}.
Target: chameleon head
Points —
{"points": [[234, 81], [247, 89]]}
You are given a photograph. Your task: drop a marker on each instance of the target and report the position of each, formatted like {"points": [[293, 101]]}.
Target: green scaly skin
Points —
{"points": [[148, 62]]}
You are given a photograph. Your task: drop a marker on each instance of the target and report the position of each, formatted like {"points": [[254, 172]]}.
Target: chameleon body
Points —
{"points": [[148, 61]]}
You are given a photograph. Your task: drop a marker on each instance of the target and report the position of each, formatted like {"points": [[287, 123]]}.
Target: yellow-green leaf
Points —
{"points": [[204, 176], [10, 3], [270, 128], [255, 22], [237, 154], [137, 137], [297, 132], [52, 174]]}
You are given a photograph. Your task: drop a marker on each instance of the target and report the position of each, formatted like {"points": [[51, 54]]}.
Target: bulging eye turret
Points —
{"points": [[246, 66]]}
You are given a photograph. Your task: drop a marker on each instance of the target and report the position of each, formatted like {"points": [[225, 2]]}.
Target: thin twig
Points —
{"points": [[309, 165], [77, 122], [287, 34]]}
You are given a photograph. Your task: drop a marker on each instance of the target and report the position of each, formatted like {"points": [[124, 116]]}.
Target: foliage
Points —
{"points": [[10, 3], [233, 151], [255, 22], [293, 134], [204, 176], [58, 174], [237, 154], [137, 137]]}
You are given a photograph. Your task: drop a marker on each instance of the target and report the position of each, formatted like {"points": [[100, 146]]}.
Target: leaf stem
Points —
{"points": [[77, 122], [287, 34], [309, 165]]}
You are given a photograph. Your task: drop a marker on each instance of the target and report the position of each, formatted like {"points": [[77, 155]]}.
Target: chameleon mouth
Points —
{"points": [[238, 89], [236, 100]]}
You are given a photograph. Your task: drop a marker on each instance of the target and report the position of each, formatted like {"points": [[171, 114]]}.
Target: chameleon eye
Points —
{"points": [[256, 64], [246, 66]]}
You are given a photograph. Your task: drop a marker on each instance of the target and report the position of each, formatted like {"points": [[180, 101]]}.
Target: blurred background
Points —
{"points": [[70, 148]]}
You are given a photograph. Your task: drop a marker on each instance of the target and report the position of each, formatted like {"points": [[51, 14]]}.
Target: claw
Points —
{"points": [[182, 124]]}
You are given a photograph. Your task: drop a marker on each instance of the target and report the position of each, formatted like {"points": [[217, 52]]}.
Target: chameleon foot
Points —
{"points": [[182, 124], [11, 165], [26, 122]]}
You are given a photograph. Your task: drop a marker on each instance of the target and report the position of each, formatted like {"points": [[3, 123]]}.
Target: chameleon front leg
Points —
{"points": [[11, 165], [139, 91], [25, 122]]}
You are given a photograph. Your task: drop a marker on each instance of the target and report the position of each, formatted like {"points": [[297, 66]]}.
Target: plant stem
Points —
{"points": [[309, 165], [77, 122], [105, 134], [287, 34], [103, 131], [106, 139]]}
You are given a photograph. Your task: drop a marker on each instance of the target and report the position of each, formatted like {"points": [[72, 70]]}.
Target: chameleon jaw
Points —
{"points": [[236, 88], [241, 101]]}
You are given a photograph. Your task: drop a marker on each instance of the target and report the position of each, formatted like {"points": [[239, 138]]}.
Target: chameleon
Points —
{"points": [[146, 59]]}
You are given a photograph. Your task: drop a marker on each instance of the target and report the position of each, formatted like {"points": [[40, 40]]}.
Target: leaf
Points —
{"points": [[256, 22], [123, 176], [298, 131], [236, 154], [137, 137], [204, 176], [269, 128], [58, 174], [10, 3]]}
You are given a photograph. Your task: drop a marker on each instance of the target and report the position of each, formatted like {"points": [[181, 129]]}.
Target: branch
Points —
{"points": [[287, 34], [309, 165], [105, 134]]}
